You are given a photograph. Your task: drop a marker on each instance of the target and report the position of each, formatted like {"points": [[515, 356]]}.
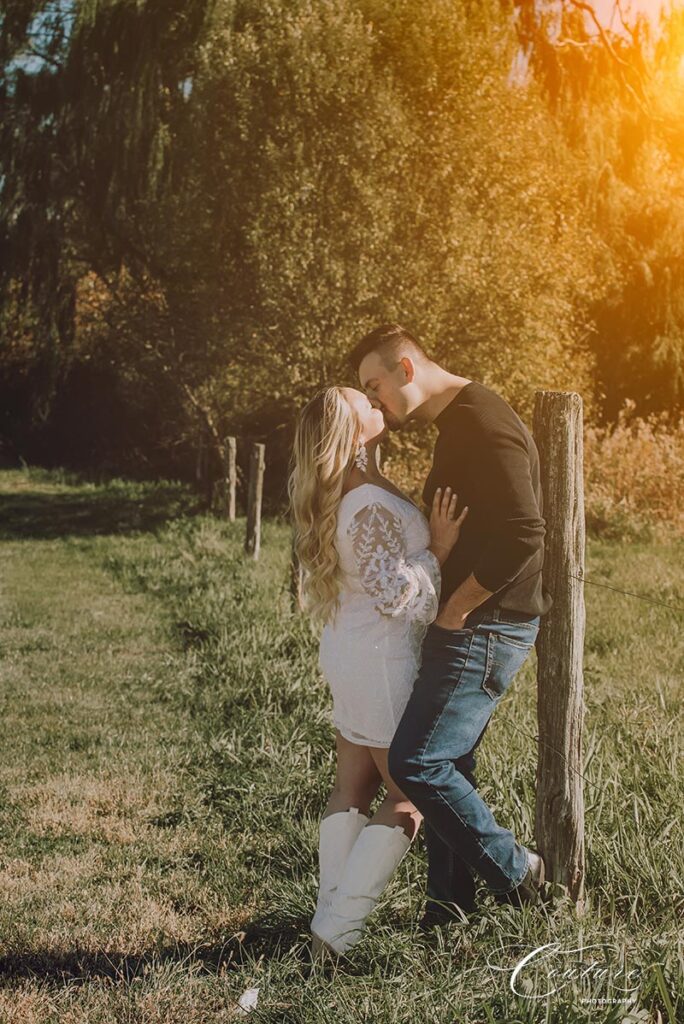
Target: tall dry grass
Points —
{"points": [[634, 475]]}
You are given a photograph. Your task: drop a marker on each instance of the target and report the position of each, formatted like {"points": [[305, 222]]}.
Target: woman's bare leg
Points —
{"points": [[395, 809], [357, 778], [352, 903]]}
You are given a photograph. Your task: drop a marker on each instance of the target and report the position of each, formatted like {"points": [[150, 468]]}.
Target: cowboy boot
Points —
{"points": [[371, 863], [336, 836]]}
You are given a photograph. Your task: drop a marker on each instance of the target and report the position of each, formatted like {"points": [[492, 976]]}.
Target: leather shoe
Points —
{"points": [[437, 914], [531, 889]]}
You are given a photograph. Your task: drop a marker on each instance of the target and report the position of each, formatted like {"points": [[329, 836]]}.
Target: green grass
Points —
{"points": [[168, 750]]}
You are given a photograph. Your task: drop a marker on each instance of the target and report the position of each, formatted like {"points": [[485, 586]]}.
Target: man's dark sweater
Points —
{"points": [[486, 454]]}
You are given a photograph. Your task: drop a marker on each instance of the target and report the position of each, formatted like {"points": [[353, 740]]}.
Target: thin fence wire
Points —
{"points": [[629, 593], [617, 590]]}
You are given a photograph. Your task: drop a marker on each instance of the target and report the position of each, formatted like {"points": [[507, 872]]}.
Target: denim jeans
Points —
{"points": [[463, 676]]}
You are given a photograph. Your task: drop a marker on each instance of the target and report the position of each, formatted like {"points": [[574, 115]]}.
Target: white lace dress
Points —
{"points": [[390, 589]]}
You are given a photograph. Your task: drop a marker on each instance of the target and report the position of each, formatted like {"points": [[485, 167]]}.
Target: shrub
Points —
{"points": [[634, 475]]}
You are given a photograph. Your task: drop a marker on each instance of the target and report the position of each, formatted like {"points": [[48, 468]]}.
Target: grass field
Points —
{"points": [[167, 751]]}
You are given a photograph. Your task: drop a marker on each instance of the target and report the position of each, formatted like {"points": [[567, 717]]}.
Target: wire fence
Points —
{"points": [[629, 593], [676, 608]]}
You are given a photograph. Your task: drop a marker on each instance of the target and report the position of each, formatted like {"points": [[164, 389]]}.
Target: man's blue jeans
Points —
{"points": [[463, 676]]}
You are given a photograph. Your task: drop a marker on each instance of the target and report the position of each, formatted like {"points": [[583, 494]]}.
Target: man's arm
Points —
{"points": [[500, 492], [467, 596]]}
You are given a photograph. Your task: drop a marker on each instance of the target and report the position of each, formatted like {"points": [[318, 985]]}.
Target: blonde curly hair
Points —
{"points": [[325, 444]]}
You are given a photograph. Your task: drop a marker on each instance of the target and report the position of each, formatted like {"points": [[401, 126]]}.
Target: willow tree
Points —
{"points": [[89, 90], [237, 191], [617, 93]]}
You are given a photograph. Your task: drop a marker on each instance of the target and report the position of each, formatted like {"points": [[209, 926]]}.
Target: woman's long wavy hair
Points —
{"points": [[325, 443]]}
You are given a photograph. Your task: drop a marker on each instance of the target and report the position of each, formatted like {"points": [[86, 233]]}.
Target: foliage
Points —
{"points": [[618, 96], [203, 205], [634, 475]]}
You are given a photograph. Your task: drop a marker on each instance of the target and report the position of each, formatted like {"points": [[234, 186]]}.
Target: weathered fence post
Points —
{"points": [[203, 465], [201, 456], [224, 489], [295, 577], [254, 494], [559, 820], [231, 474]]}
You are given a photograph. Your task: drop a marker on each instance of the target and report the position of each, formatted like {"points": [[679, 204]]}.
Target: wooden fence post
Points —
{"points": [[203, 465], [201, 457], [231, 474], [295, 577], [254, 494], [559, 819], [224, 489]]}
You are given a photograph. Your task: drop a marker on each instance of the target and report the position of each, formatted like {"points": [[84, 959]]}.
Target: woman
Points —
{"points": [[371, 577]]}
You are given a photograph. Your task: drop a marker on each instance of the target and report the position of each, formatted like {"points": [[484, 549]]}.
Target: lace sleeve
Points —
{"points": [[401, 585]]}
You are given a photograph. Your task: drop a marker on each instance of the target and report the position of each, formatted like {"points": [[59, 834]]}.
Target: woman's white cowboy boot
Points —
{"points": [[375, 856], [337, 834]]}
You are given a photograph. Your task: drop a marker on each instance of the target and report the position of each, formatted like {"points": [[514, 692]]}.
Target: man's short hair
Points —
{"points": [[391, 342]]}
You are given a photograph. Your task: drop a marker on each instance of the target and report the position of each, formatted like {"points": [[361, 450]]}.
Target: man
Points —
{"points": [[492, 600]]}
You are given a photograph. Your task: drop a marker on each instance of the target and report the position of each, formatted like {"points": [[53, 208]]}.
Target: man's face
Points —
{"points": [[384, 387]]}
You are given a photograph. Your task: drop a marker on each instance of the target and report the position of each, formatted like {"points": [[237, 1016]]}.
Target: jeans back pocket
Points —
{"points": [[505, 657]]}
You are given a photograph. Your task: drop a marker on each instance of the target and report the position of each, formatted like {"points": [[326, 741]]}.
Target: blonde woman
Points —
{"points": [[371, 578]]}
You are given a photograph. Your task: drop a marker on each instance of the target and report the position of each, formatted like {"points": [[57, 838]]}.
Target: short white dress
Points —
{"points": [[390, 586]]}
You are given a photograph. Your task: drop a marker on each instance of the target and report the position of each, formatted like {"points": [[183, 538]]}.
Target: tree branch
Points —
{"points": [[640, 100]]}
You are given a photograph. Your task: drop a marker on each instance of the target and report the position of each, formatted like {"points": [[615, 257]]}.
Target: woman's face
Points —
{"points": [[372, 421]]}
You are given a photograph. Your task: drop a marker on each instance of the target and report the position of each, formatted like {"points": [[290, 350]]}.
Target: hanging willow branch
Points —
{"points": [[89, 93], [640, 98]]}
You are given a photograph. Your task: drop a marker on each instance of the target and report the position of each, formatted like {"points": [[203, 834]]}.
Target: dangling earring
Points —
{"points": [[361, 458]]}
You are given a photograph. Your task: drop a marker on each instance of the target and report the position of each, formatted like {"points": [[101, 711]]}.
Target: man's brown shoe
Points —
{"points": [[531, 889], [437, 914]]}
